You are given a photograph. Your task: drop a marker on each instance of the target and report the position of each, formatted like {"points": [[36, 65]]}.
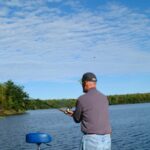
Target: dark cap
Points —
{"points": [[89, 76]]}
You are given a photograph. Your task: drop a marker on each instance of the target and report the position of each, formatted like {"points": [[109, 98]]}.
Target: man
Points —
{"points": [[92, 111]]}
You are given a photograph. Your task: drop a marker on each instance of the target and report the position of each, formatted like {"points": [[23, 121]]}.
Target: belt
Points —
{"points": [[93, 133]]}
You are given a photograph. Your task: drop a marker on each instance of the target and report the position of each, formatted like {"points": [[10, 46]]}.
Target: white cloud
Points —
{"points": [[43, 44]]}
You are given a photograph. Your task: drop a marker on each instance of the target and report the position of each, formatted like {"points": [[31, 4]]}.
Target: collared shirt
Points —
{"points": [[92, 111]]}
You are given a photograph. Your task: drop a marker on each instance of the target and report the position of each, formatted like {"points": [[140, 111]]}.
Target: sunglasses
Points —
{"points": [[81, 82]]}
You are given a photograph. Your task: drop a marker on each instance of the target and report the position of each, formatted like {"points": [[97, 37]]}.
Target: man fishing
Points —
{"points": [[92, 111]]}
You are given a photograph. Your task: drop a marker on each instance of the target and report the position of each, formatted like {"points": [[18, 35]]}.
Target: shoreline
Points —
{"points": [[10, 113], [5, 113]]}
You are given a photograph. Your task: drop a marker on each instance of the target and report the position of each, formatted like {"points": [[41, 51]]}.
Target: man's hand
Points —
{"points": [[69, 112]]}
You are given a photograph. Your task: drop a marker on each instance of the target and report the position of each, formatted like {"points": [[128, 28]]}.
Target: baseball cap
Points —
{"points": [[89, 76]]}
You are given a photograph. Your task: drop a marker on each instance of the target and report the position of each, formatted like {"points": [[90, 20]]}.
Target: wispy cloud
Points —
{"points": [[53, 39]]}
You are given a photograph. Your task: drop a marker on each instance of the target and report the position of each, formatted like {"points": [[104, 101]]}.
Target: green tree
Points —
{"points": [[15, 96]]}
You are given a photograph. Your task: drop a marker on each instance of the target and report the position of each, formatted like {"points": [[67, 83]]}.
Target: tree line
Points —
{"points": [[52, 103], [14, 98], [69, 103], [129, 98]]}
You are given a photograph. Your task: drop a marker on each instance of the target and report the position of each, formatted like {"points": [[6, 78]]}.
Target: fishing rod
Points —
{"points": [[44, 138], [66, 110]]}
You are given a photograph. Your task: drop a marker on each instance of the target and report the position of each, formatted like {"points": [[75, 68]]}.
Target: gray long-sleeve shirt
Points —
{"points": [[92, 111]]}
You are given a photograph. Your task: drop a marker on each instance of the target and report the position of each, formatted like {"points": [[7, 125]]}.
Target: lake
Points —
{"points": [[130, 125]]}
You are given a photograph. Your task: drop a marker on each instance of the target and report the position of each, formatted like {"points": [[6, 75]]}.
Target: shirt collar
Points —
{"points": [[91, 89]]}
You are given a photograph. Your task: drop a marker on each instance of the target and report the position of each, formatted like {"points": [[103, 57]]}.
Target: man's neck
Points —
{"points": [[91, 88]]}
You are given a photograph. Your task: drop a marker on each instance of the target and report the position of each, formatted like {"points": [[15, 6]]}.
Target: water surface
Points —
{"points": [[130, 125]]}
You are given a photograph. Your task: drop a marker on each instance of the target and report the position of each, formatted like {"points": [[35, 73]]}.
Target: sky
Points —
{"points": [[47, 45]]}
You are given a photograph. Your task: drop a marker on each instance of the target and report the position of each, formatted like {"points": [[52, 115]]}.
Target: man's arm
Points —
{"points": [[77, 113]]}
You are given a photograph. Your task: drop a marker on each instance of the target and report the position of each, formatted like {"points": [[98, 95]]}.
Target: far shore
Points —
{"points": [[10, 113], [6, 113]]}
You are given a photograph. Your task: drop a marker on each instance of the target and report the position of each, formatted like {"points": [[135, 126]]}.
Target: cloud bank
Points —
{"points": [[54, 40]]}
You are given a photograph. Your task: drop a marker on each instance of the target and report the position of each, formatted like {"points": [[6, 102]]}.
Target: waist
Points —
{"points": [[96, 133]]}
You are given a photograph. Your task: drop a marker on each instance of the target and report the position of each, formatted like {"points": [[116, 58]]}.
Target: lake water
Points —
{"points": [[130, 125]]}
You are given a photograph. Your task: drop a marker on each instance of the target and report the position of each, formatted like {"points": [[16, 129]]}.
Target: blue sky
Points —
{"points": [[46, 45]]}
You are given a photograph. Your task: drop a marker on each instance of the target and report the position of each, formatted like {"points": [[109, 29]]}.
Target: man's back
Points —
{"points": [[93, 113]]}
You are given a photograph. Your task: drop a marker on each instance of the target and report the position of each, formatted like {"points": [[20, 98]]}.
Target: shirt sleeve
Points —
{"points": [[78, 112]]}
